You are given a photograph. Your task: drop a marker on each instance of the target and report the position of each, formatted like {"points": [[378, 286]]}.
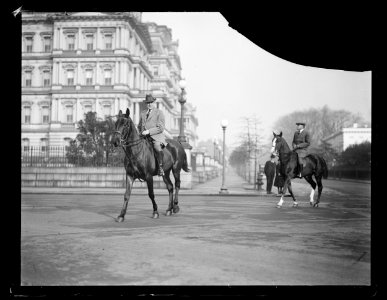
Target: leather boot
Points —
{"points": [[160, 159], [300, 167]]}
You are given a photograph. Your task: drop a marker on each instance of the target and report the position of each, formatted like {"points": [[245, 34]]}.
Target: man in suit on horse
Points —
{"points": [[152, 122], [301, 142]]}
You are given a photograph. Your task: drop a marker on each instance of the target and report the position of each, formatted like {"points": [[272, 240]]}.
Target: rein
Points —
{"points": [[127, 147]]}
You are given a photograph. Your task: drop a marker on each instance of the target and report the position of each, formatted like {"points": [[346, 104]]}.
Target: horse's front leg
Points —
{"points": [[295, 204], [176, 175], [287, 185], [281, 201], [129, 185], [151, 194], [169, 185]]}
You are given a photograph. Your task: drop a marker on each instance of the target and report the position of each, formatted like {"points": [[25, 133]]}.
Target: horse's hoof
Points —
{"points": [[176, 209], [168, 213], [279, 206], [295, 204], [311, 203], [119, 219], [315, 205], [155, 215]]}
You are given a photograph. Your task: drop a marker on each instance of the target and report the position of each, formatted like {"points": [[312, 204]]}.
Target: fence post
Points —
{"points": [[31, 156]]}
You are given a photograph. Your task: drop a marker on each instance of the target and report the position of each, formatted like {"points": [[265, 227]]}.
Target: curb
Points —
{"points": [[157, 193]]}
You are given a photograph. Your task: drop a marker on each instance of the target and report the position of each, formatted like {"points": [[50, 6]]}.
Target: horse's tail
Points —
{"points": [[185, 163], [324, 167]]}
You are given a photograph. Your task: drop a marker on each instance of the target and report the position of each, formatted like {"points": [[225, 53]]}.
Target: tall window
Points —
{"points": [[69, 113], [89, 42], [108, 77], [89, 76], [70, 77], [29, 44], [26, 145], [71, 42], [87, 108], [108, 41], [27, 115], [44, 145], [47, 43], [67, 143], [28, 78], [46, 78], [45, 114], [106, 110], [134, 78], [156, 70]]}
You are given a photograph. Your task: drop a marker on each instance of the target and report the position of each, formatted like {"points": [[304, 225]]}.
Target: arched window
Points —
{"points": [[26, 145]]}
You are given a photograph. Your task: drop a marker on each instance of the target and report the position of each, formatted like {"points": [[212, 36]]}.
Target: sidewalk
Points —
{"points": [[235, 185]]}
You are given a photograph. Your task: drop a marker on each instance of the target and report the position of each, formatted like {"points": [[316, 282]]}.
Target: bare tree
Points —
{"points": [[321, 122]]}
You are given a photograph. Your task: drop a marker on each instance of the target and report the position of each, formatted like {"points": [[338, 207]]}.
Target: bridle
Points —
{"points": [[123, 137]]}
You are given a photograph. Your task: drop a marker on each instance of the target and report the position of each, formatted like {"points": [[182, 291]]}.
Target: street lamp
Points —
{"points": [[223, 189], [215, 147], [182, 99]]}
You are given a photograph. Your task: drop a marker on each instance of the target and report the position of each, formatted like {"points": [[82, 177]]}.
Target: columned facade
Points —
{"points": [[78, 62]]}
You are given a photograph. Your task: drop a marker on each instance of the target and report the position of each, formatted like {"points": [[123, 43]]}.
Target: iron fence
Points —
{"points": [[60, 157]]}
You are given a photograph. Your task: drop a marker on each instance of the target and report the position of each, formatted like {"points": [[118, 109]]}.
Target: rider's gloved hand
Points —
{"points": [[145, 132]]}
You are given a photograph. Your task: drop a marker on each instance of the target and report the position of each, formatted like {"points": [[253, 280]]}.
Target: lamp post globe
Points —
{"points": [[182, 84]]}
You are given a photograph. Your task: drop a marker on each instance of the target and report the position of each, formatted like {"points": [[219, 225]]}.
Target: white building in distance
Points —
{"points": [[346, 137]]}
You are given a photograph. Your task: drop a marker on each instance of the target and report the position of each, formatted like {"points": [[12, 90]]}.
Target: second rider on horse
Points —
{"points": [[301, 142], [152, 122]]}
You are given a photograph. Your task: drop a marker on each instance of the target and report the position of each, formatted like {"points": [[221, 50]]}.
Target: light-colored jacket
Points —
{"points": [[155, 124]]}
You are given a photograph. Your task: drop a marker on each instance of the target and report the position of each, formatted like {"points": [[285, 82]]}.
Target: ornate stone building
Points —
{"points": [[73, 63]]}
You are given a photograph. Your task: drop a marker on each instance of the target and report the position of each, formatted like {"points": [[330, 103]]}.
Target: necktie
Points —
{"points": [[147, 115]]}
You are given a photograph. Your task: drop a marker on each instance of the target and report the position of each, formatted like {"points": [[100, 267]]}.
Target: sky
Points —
{"points": [[229, 77]]}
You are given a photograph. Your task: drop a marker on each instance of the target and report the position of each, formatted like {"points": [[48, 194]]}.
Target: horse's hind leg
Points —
{"points": [[129, 185], [310, 180], [176, 175], [169, 185], [320, 188], [151, 194]]}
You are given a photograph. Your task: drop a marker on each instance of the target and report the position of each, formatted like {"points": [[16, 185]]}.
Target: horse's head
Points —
{"points": [[123, 128], [276, 142]]}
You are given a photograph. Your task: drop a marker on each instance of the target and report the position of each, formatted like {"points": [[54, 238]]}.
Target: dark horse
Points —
{"points": [[313, 165], [140, 163]]}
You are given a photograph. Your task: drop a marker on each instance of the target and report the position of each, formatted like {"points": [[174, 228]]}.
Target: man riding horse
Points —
{"points": [[152, 122], [301, 142]]}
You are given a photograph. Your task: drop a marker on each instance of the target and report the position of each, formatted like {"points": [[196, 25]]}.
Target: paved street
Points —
{"points": [[71, 238]]}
